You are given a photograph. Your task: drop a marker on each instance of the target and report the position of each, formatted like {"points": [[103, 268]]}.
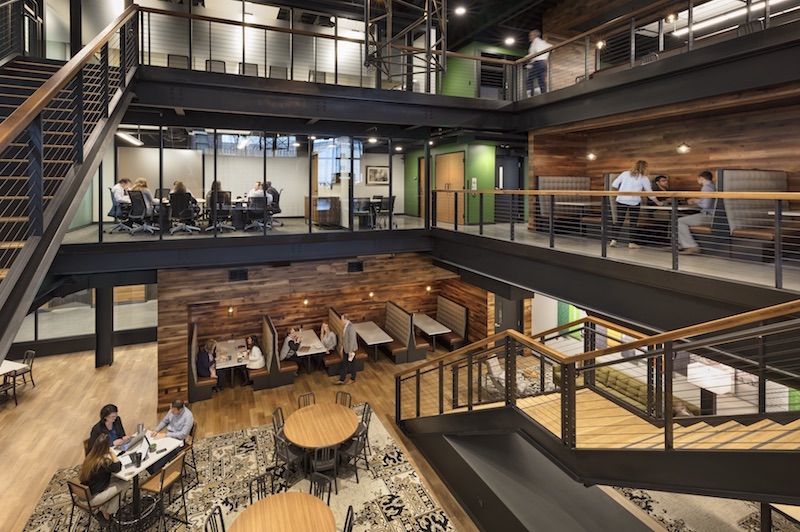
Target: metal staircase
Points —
{"points": [[57, 122]]}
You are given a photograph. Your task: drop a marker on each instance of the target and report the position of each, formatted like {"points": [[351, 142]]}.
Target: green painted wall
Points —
{"points": [[461, 78], [83, 216], [411, 182]]}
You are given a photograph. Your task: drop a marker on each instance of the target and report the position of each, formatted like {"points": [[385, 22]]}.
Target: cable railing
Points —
{"points": [[732, 383], [20, 28], [745, 236]]}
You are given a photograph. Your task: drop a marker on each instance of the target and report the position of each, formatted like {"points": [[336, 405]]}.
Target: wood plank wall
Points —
{"points": [[203, 296], [569, 18]]}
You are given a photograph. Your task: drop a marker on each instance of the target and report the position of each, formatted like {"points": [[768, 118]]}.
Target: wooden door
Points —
{"points": [[449, 172]]}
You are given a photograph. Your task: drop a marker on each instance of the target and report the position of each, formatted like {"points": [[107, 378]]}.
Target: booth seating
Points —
{"points": [[333, 362], [406, 346], [565, 218], [454, 317], [200, 388], [280, 372], [626, 388]]}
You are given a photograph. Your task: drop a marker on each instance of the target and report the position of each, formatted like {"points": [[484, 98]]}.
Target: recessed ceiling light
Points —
{"points": [[430, 143], [398, 148], [296, 144], [312, 137], [460, 10], [684, 148], [373, 140], [591, 156], [510, 40]]}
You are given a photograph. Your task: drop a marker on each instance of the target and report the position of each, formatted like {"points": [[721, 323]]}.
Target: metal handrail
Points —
{"points": [[613, 193], [30, 108]]}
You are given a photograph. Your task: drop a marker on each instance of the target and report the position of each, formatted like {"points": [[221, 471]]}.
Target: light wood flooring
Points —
{"points": [[45, 432]]}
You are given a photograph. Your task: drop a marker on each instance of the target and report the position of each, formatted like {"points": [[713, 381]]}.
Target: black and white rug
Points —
{"points": [[389, 498]]}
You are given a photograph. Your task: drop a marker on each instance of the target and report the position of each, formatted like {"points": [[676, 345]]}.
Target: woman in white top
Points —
{"points": [[255, 357], [328, 338], [633, 180]]}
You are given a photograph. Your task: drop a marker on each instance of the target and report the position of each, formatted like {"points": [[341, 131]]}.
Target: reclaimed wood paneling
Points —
{"points": [[204, 296], [565, 19]]}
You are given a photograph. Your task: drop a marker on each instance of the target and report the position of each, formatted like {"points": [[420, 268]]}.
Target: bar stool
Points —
{"points": [[163, 482], [191, 462]]}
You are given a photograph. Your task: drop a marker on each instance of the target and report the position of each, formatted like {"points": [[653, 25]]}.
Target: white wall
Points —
{"points": [[179, 165], [544, 313]]}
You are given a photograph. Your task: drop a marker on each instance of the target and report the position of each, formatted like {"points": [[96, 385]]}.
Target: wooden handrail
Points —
{"points": [[616, 327], [35, 104], [612, 193], [579, 321], [708, 327], [600, 28], [455, 354]]}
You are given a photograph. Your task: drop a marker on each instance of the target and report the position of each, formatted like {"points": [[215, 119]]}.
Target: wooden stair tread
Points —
{"points": [[12, 245]]}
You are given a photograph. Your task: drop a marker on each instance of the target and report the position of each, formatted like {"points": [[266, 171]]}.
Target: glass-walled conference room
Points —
{"points": [[183, 183]]}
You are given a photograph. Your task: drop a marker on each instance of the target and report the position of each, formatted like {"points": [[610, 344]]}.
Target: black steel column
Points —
{"points": [[778, 244], [430, 207], [104, 326], [568, 421], [766, 517], [762, 379], [75, 31], [668, 438], [480, 214], [391, 183]]}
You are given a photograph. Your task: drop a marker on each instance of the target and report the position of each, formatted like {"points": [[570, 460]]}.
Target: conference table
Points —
{"points": [[431, 327], [231, 354], [129, 471], [320, 425], [290, 511], [372, 335]]}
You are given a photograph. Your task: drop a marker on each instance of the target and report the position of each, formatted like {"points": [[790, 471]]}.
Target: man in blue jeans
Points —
{"points": [[349, 348], [537, 68]]}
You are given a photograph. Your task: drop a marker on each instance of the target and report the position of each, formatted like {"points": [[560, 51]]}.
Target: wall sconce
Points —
{"points": [[600, 44], [371, 295], [591, 156], [305, 302], [672, 17], [230, 311], [428, 289], [684, 148]]}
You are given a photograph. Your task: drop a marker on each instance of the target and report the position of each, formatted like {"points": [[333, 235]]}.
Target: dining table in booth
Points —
{"points": [[290, 511], [320, 425]]}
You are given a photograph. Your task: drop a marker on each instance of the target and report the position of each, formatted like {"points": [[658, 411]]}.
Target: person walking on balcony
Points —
{"points": [[537, 68], [706, 205], [633, 180]]}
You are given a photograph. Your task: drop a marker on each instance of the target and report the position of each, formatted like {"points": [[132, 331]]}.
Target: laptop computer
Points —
{"points": [[133, 441]]}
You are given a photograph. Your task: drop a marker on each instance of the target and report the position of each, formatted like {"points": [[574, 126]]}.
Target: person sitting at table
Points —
{"points": [[149, 201], [271, 191], [207, 362], [328, 339], [178, 422], [96, 473], [349, 348], [290, 345], [180, 187], [110, 424], [120, 191], [255, 357], [706, 205], [258, 191], [661, 184]]}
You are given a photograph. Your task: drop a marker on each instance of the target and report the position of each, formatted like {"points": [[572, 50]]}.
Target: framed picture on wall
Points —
{"points": [[377, 175]]}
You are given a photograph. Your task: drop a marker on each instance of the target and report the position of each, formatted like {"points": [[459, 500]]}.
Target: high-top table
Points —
{"points": [[372, 335], [320, 425], [164, 445], [431, 327], [231, 354], [290, 511]]}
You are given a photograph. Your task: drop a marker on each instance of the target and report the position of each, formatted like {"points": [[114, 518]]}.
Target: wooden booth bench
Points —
{"points": [[454, 317], [405, 345], [281, 372], [333, 362], [566, 218], [200, 388]]}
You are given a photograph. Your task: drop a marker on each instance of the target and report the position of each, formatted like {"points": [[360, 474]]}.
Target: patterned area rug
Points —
{"points": [[388, 498]]}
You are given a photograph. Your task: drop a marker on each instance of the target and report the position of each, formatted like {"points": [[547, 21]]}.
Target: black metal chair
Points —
{"points": [[248, 69], [214, 521], [275, 207], [81, 499], [326, 459], [9, 384], [286, 454], [321, 486], [348, 520], [259, 486], [190, 462], [258, 214], [138, 214], [27, 359], [354, 451], [344, 399], [363, 426], [278, 421], [182, 211], [220, 210], [306, 399], [161, 484]]}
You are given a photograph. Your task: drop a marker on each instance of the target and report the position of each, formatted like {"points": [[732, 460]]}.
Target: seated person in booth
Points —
{"points": [[149, 201], [328, 339], [255, 357], [207, 362], [110, 424], [178, 422], [349, 348], [706, 205], [96, 473], [290, 345], [120, 191], [661, 184]]}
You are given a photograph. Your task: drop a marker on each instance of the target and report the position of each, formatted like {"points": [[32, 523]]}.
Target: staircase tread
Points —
{"points": [[13, 219]]}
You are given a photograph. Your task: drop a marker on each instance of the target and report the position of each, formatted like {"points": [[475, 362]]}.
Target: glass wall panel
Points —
{"points": [[135, 307], [331, 170], [63, 317]]}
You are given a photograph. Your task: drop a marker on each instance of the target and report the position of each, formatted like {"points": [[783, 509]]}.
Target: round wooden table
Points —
{"points": [[290, 511], [321, 425]]}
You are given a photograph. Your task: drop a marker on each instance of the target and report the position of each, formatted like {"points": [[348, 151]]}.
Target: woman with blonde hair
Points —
{"points": [[96, 472], [633, 180], [150, 202]]}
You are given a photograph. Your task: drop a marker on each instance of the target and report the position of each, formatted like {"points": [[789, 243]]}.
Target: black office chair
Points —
{"points": [[275, 207], [221, 213], [248, 69], [215, 65], [182, 211], [138, 214], [258, 214], [362, 211], [120, 213], [385, 206]]}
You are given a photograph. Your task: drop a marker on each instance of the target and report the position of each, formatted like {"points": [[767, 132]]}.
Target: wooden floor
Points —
{"points": [[45, 432]]}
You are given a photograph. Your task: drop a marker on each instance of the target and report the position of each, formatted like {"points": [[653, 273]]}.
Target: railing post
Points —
{"points": [[762, 369], [511, 371], [587, 46], [632, 38], [398, 383], [673, 222], [778, 245], [441, 386], [659, 381], [77, 117], [552, 227], [35, 177], [469, 381], [690, 38], [455, 211], [454, 387], [568, 422], [123, 46], [480, 213], [605, 212], [589, 342], [511, 218], [417, 378], [668, 407]]}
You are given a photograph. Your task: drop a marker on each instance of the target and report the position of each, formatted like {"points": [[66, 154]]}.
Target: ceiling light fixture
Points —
{"points": [[398, 148], [373, 140], [600, 45], [296, 144], [242, 142], [672, 17], [460, 10], [684, 148], [754, 8], [591, 156], [510, 40], [129, 138], [312, 137], [430, 143]]}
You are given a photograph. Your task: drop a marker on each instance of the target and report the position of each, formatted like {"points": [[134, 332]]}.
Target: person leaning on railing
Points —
{"points": [[537, 68], [706, 205]]}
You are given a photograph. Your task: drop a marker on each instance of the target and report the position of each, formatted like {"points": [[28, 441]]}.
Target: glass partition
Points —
{"points": [[135, 307], [67, 316]]}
